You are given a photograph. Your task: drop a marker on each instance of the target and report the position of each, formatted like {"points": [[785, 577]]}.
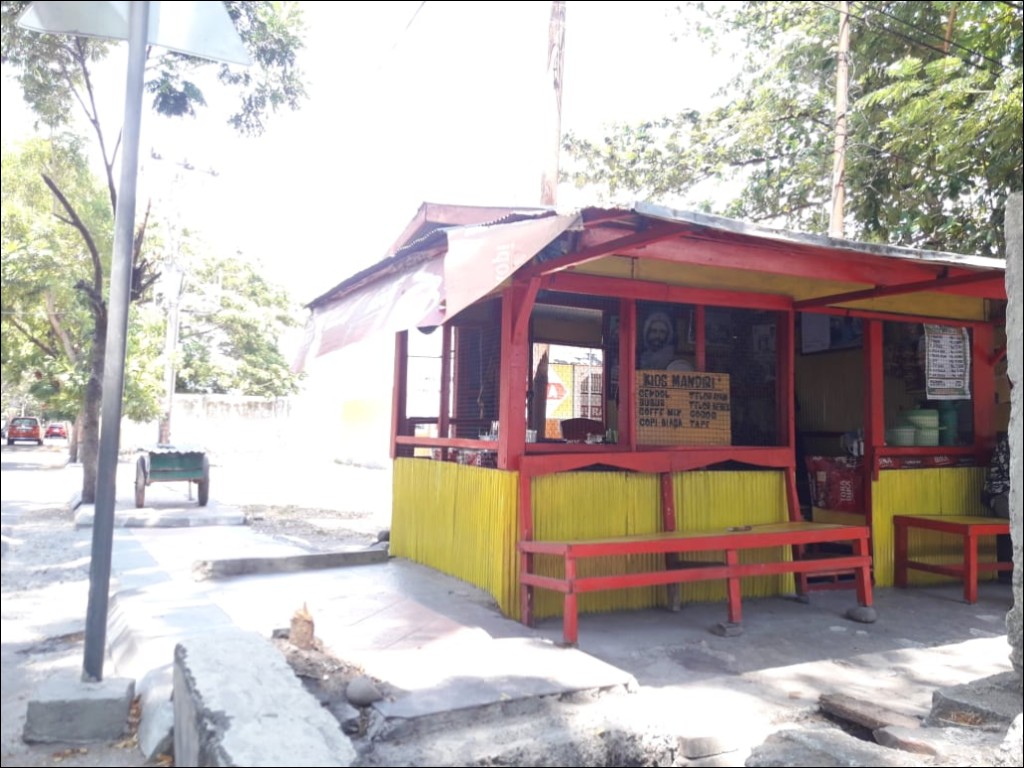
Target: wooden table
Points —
{"points": [[970, 528], [728, 541]]}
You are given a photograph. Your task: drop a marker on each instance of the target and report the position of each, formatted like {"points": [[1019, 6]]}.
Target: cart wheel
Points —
{"points": [[204, 484], [140, 482]]}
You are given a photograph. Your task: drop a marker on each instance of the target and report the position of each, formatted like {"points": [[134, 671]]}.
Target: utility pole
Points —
{"points": [[556, 61], [835, 226], [174, 275], [174, 278]]}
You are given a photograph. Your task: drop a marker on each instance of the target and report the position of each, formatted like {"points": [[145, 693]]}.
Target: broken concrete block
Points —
{"points": [[237, 702], [68, 710], [864, 713]]}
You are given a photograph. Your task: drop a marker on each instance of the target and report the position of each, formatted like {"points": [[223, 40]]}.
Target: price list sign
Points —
{"points": [[947, 362], [683, 408]]}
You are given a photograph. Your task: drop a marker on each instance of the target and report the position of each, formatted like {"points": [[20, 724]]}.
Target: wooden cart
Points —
{"points": [[169, 464]]}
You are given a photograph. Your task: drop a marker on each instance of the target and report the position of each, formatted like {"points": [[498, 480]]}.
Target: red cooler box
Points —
{"points": [[837, 482]]}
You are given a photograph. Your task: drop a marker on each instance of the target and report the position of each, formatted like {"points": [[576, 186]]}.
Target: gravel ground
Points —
{"points": [[45, 585]]}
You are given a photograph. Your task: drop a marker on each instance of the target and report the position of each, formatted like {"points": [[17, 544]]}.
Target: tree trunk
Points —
{"points": [[76, 436], [91, 412]]}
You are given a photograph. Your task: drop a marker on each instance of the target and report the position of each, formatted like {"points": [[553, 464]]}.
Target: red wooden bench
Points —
{"points": [[729, 541], [970, 528]]}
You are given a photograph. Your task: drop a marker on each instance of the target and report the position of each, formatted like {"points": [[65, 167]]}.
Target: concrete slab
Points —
{"points": [[953, 746], [163, 517], [825, 747], [237, 702], [66, 710], [446, 678], [991, 702], [156, 726]]}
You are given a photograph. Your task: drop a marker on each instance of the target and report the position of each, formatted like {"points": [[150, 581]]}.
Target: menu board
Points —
{"points": [[948, 362], [682, 408]]}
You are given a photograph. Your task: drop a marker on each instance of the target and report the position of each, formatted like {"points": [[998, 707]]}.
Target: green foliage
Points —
{"points": [[54, 71], [231, 320], [934, 137], [46, 323]]}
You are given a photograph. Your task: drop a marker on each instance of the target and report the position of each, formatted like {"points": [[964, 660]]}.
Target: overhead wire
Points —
{"points": [[910, 39], [936, 35], [401, 34]]}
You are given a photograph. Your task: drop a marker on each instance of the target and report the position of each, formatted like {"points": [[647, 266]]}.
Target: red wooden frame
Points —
{"points": [[970, 528], [533, 460], [730, 542]]}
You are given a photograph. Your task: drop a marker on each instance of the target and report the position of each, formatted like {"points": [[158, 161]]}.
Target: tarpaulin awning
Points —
{"points": [[476, 261]]}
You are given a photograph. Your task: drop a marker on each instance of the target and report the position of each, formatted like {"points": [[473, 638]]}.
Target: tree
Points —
{"points": [[46, 321], [56, 77], [231, 322], [934, 124]]}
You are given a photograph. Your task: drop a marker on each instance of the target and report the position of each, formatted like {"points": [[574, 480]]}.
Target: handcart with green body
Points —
{"points": [[168, 463]]}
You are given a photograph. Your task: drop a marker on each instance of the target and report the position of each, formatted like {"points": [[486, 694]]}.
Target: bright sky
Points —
{"points": [[439, 104]]}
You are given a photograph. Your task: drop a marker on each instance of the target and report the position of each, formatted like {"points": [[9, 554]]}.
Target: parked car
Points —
{"points": [[25, 428], [56, 429]]}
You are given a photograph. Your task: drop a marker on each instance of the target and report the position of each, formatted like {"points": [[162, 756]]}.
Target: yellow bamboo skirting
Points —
{"points": [[460, 520], [709, 500], [941, 491], [596, 505]]}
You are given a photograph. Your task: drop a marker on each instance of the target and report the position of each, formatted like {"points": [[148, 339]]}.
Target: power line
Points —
{"points": [[933, 34], [908, 38], [401, 34]]}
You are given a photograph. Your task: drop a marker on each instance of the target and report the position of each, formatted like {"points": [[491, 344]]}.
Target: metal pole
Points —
{"points": [[113, 367]]}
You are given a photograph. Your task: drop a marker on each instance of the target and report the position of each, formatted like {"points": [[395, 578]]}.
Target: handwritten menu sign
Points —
{"points": [[947, 362], [682, 408]]}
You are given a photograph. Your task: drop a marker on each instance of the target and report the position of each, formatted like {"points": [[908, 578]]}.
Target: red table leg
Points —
{"points": [[570, 619], [525, 590], [970, 567], [863, 574], [733, 589], [901, 554]]}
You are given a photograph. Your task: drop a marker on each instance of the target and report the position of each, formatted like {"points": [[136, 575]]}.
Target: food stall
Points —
{"points": [[638, 371]]}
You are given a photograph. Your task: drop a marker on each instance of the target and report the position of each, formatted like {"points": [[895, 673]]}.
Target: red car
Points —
{"points": [[25, 428], [56, 430]]}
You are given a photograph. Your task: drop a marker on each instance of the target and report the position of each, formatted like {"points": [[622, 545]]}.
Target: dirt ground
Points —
{"points": [[318, 530]]}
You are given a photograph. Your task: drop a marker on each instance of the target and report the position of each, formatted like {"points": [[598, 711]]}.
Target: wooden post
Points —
{"points": [[556, 60], [399, 390], [627, 373], [835, 226], [444, 407], [785, 388], [874, 408], [983, 387], [525, 534]]}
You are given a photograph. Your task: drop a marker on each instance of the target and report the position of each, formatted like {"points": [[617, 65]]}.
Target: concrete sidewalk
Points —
{"points": [[454, 663]]}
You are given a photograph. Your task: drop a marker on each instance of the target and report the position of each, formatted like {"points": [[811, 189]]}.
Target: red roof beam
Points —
{"points": [[936, 284], [791, 261], [649, 290], [590, 252]]}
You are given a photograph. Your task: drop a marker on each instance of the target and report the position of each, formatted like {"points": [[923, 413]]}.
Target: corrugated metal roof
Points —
{"points": [[404, 257], [756, 231]]}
